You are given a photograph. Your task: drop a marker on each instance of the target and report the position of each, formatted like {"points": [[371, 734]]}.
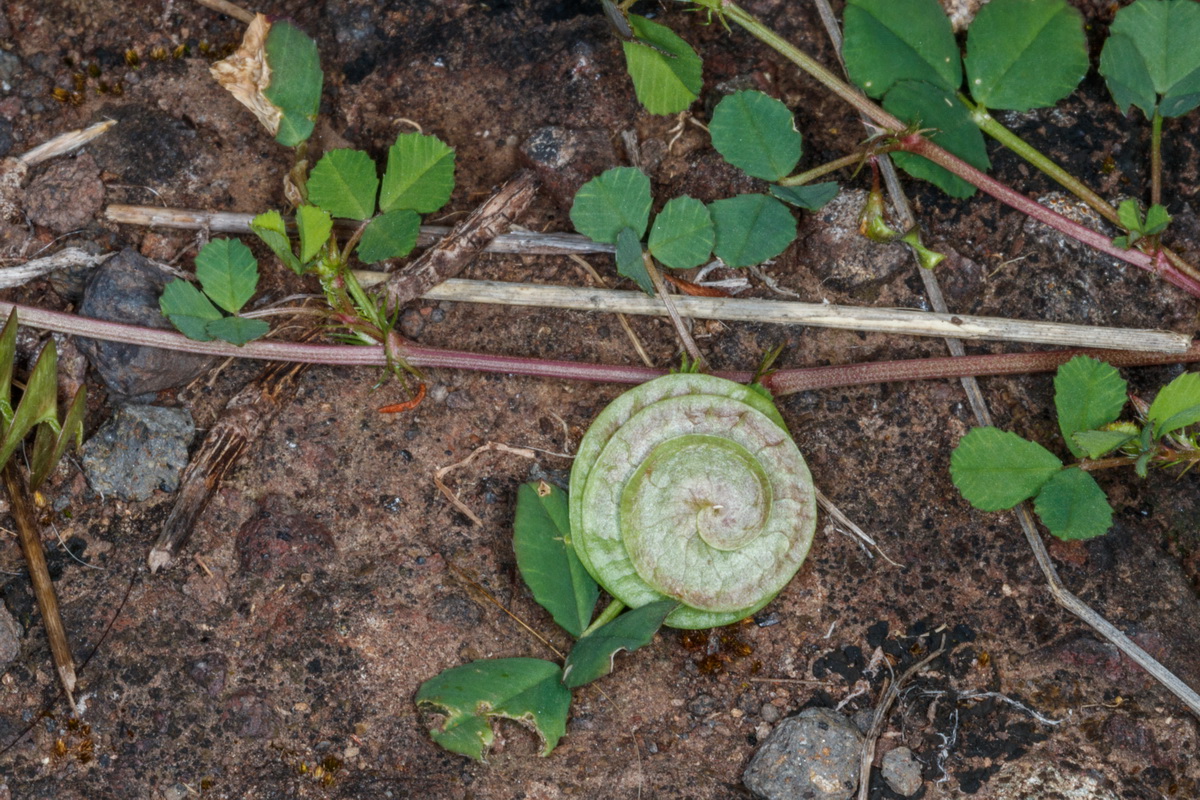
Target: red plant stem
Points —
{"points": [[782, 382], [919, 145]]}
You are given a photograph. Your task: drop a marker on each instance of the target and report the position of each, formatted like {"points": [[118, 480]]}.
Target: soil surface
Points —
{"points": [[251, 669]]}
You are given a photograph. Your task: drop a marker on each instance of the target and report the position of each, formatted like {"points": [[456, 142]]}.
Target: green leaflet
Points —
{"points": [[419, 174], [682, 235], [751, 228], [1177, 404], [296, 80], [592, 656], [887, 41], [1073, 506], [1151, 59], [389, 235], [756, 134], [548, 565], [612, 201], [528, 690], [344, 183], [663, 84], [995, 469], [1088, 394]]}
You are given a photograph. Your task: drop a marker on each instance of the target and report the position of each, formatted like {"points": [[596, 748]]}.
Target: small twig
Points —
{"points": [[881, 713], [459, 248], [21, 508], [64, 143], [448, 493], [229, 9], [820, 315], [668, 306], [849, 525], [20, 274], [477, 586]]}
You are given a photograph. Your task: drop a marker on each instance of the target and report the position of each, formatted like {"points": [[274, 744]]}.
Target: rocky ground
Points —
{"points": [[328, 578]]}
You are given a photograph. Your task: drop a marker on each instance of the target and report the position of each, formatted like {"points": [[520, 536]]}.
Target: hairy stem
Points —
{"points": [[1156, 126]]}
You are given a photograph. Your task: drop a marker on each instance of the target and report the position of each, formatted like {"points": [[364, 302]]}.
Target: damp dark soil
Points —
{"points": [[279, 657]]}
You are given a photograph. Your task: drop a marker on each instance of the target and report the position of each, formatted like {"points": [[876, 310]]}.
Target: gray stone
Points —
{"points": [[126, 289], [813, 755], [142, 448], [849, 262], [770, 713], [10, 65], [66, 195], [10, 637], [566, 158], [902, 771]]}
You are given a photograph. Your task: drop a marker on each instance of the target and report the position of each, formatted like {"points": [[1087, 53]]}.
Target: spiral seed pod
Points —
{"points": [[689, 487]]}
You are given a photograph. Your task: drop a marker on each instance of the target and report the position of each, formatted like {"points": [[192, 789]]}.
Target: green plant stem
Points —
{"points": [[785, 381], [1156, 126], [988, 124], [921, 146], [610, 612], [852, 160]]}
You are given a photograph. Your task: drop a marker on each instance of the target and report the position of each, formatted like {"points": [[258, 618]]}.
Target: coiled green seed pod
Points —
{"points": [[689, 487]]}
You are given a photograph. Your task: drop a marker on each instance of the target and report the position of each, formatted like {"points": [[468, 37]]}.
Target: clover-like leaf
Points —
{"points": [[629, 260], [228, 273], [528, 690], [757, 134], [419, 174], [930, 107], [314, 226], [751, 228], [887, 41], [995, 469], [1024, 54], [1177, 404], [615, 199], [1073, 506], [344, 183], [682, 235], [1088, 394], [237, 330], [389, 235], [666, 71], [271, 229], [188, 309], [1151, 60], [592, 656], [810, 197], [547, 562], [296, 79]]}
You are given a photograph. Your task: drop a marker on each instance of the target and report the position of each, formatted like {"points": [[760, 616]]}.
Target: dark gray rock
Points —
{"points": [[10, 65], [845, 260], [902, 771], [278, 540], [565, 159], [142, 448], [6, 137], [126, 289], [813, 755]]}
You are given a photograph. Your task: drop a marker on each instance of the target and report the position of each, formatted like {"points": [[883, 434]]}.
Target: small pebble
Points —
{"points": [[139, 450], [902, 771], [702, 705], [770, 713], [813, 755]]}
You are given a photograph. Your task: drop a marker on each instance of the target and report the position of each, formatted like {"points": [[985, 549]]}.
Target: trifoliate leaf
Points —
{"points": [[1073, 506], [592, 656], [995, 469], [930, 107], [1088, 394], [1157, 220], [314, 225], [810, 197], [1024, 54], [757, 134], [344, 183], [419, 174], [389, 235], [237, 330], [751, 228], [629, 260], [548, 564], [269, 226], [228, 273], [1151, 60], [666, 71], [682, 234], [1177, 404], [900, 40], [188, 309], [612, 201], [528, 690]]}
